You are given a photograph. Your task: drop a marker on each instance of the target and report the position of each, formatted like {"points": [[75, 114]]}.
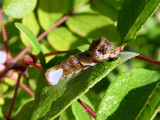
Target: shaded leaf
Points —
{"points": [[151, 105], [133, 15], [19, 8], [106, 9], [129, 93], [25, 112]]}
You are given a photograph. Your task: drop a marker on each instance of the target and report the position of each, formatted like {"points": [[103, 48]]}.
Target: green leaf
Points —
{"points": [[156, 115], [30, 36], [126, 56], [67, 114], [79, 111], [50, 11], [85, 99], [129, 93], [93, 25], [33, 41], [133, 15], [30, 21], [63, 35], [25, 112], [151, 104], [19, 8], [5, 3], [106, 9], [53, 100]]}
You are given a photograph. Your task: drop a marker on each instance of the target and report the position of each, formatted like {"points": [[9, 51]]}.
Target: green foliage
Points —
{"points": [[135, 87], [50, 11], [122, 89], [29, 34], [58, 36], [79, 112], [93, 25], [69, 89], [133, 15], [32, 39], [31, 22], [18, 8]]}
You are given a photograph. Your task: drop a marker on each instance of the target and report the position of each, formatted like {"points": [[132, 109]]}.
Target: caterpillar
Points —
{"points": [[99, 51]]}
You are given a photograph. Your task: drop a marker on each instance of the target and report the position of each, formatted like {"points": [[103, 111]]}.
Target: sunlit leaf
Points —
{"points": [[30, 21], [19, 8], [93, 25], [63, 35], [50, 11]]}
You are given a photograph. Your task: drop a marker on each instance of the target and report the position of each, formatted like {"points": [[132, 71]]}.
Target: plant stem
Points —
{"points": [[4, 35], [33, 64], [42, 35], [146, 59], [87, 108], [29, 91], [14, 96], [55, 53]]}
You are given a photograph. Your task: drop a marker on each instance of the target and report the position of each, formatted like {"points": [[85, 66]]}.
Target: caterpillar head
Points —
{"points": [[102, 50]]}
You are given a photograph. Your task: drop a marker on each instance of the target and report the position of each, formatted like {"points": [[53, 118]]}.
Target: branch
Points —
{"points": [[33, 64], [29, 91], [42, 35], [4, 35], [14, 96], [55, 53], [146, 59], [87, 108]]}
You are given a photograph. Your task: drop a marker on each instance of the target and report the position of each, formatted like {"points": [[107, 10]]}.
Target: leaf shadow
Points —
{"points": [[133, 102], [106, 31], [62, 6]]}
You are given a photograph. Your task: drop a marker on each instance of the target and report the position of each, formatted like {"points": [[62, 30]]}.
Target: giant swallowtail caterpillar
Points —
{"points": [[99, 51]]}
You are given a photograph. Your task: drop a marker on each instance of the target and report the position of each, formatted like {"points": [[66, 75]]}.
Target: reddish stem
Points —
{"points": [[14, 96], [4, 35], [55, 53], [42, 35], [146, 59], [33, 64], [29, 91], [87, 108]]}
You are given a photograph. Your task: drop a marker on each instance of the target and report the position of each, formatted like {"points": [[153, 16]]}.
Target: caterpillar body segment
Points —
{"points": [[99, 51]]}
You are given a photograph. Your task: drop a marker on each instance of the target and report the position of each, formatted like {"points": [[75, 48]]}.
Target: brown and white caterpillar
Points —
{"points": [[99, 51]]}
